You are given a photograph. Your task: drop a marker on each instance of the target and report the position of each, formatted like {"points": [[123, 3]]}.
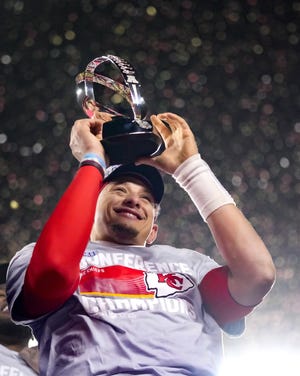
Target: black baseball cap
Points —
{"points": [[148, 174]]}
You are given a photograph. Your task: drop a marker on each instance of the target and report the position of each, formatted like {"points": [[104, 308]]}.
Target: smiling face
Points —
{"points": [[125, 213]]}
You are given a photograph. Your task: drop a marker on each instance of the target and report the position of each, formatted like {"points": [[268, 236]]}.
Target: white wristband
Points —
{"points": [[205, 190]]}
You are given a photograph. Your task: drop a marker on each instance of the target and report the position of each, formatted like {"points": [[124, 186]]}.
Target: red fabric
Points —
{"points": [[53, 273], [217, 299]]}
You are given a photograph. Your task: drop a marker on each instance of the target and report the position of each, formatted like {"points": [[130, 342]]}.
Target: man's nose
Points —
{"points": [[132, 200]]}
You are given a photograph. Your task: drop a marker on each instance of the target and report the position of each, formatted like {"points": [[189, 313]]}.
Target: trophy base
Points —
{"points": [[124, 140], [127, 148]]}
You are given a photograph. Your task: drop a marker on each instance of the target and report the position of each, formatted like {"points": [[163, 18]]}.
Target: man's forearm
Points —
{"points": [[251, 270]]}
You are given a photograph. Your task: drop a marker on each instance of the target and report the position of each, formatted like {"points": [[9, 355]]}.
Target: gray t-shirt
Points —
{"points": [[136, 311], [12, 364]]}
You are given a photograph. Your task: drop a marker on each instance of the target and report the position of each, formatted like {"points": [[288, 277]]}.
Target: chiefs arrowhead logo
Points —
{"points": [[167, 284]]}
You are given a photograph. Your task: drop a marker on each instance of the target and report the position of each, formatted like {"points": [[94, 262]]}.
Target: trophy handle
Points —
{"points": [[130, 91]]}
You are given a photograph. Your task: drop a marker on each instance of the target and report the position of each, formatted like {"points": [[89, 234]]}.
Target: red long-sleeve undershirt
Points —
{"points": [[53, 272]]}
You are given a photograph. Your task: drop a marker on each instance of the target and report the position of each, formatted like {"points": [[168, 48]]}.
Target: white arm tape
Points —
{"points": [[204, 189]]}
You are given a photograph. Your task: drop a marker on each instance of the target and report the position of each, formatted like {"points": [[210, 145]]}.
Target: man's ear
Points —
{"points": [[153, 234]]}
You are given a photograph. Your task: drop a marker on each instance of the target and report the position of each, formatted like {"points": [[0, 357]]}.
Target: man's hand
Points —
{"points": [[179, 141], [86, 135]]}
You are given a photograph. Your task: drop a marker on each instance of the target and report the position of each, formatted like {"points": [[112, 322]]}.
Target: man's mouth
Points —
{"points": [[128, 213]]}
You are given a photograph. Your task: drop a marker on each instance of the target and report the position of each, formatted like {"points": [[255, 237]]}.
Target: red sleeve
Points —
{"points": [[217, 299], [53, 272]]}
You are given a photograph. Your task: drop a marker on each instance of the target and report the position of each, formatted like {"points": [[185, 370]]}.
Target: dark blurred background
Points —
{"points": [[230, 68]]}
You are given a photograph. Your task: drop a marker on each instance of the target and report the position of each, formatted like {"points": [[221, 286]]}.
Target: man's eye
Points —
{"points": [[148, 198], [120, 189]]}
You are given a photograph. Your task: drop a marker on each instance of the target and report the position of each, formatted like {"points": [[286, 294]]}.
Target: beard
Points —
{"points": [[124, 232]]}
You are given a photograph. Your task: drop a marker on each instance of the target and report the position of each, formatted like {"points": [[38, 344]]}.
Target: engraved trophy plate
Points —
{"points": [[108, 89]]}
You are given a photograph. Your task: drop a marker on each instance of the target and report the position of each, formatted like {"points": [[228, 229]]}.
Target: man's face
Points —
{"points": [[125, 213]]}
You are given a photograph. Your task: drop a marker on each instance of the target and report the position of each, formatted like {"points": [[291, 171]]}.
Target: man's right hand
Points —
{"points": [[86, 135]]}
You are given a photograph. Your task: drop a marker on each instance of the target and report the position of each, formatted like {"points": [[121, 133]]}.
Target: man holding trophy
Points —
{"points": [[100, 296]]}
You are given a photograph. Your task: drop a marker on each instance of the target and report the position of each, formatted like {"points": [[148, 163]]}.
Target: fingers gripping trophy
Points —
{"points": [[108, 89]]}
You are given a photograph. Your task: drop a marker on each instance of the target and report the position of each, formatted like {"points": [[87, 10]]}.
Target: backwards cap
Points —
{"points": [[148, 174]]}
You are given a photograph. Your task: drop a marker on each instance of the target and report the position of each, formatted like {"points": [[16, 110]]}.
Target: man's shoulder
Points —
{"points": [[13, 364], [5, 350]]}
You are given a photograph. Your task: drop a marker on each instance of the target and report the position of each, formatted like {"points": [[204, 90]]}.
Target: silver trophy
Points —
{"points": [[108, 89]]}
